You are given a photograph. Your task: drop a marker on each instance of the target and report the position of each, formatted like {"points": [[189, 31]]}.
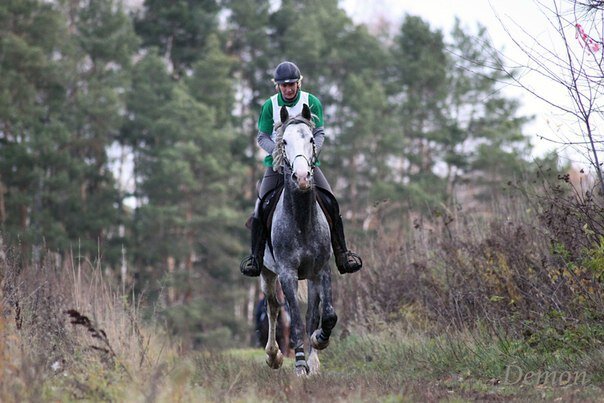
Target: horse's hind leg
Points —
{"points": [[312, 321], [289, 284], [320, 337], [274, 357]]}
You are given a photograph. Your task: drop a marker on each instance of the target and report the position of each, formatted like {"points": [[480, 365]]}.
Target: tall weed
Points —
{"points": [[531, 266], [67, 332]]}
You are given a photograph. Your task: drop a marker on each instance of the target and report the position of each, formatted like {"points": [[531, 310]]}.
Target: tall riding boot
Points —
{"points": [[346, 261], [252, 265]]}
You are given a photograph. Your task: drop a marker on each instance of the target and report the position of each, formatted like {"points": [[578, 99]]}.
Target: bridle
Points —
{"points": [[312, 163]]}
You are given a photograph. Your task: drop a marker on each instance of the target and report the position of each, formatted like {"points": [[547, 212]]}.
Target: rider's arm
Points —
{"points": [[319, 135], [316, 109], [265, 128], [265, 142]]}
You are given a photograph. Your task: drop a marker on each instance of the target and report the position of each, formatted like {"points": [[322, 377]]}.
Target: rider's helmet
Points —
{"points": [[287, 72]]}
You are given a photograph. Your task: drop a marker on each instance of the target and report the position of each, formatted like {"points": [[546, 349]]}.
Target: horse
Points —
{"points": [[299, 247]]}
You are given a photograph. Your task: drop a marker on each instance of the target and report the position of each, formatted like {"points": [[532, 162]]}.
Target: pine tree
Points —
{"points": [[212, 83], [29, 33], [62, 75], [186, 178], [179, 29], [247, 32], [102, 45], [485, 144], [419, 87]]}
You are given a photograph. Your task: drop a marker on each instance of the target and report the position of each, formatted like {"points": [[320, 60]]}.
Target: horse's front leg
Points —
{"points": [[312, 320], [320, 337], [274, 357], [289, 284]]}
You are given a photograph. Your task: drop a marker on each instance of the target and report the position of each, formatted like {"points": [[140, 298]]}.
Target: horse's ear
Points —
{"points": [[306, 112], [284, 114]]}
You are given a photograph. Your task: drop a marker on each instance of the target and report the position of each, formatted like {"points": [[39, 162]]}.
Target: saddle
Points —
{"points": [[269, 202], [267, 208]]}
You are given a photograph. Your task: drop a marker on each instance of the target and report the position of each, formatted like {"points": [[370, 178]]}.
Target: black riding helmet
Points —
{"points": [[287, 72]]}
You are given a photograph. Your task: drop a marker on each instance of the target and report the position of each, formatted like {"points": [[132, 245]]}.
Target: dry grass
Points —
{"points": [[525, 267], [73, 337], [66, 332]]}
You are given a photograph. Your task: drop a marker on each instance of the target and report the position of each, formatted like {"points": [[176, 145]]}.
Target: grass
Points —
{"points": [[388, 365], [394, 367], [108, 354], [71, 336]]}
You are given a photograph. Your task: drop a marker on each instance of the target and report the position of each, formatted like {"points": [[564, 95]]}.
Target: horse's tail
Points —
{"points": [[302, 292]]}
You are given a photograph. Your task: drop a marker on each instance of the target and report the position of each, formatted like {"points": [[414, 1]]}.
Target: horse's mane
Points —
{"points": [[279, 151]]}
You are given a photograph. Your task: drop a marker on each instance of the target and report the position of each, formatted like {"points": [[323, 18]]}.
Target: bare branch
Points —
{"points": [[574, 63]]}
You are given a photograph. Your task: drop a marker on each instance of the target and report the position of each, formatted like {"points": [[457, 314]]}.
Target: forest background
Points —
{"points": [[127, 148]]}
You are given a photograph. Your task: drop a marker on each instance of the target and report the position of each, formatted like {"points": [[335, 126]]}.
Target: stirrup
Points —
{"points": [[348, 262], [248, 268]]}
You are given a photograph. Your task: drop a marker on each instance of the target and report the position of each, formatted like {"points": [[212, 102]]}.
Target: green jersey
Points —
{"points": [[267, 120], [269, 117]]}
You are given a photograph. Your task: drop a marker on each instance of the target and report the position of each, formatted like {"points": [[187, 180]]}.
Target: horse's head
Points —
{"points": [[295, 150]]}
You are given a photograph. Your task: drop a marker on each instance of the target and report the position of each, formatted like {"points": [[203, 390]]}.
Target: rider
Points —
{"points": [[288, 81]]}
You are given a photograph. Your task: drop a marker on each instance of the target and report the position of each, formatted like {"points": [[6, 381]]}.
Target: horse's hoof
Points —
{"points": [[317, 342], [314, 365], [302, 370], [276, 361]]}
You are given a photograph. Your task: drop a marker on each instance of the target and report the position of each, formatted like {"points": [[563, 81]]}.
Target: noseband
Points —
{"points": [[312, 163]]}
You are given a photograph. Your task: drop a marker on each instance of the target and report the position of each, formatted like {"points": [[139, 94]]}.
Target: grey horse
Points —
{"points": [[300, 248]]}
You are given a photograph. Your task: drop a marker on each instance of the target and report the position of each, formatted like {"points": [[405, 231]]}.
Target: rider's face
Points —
{"points": [[289, 90]]}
